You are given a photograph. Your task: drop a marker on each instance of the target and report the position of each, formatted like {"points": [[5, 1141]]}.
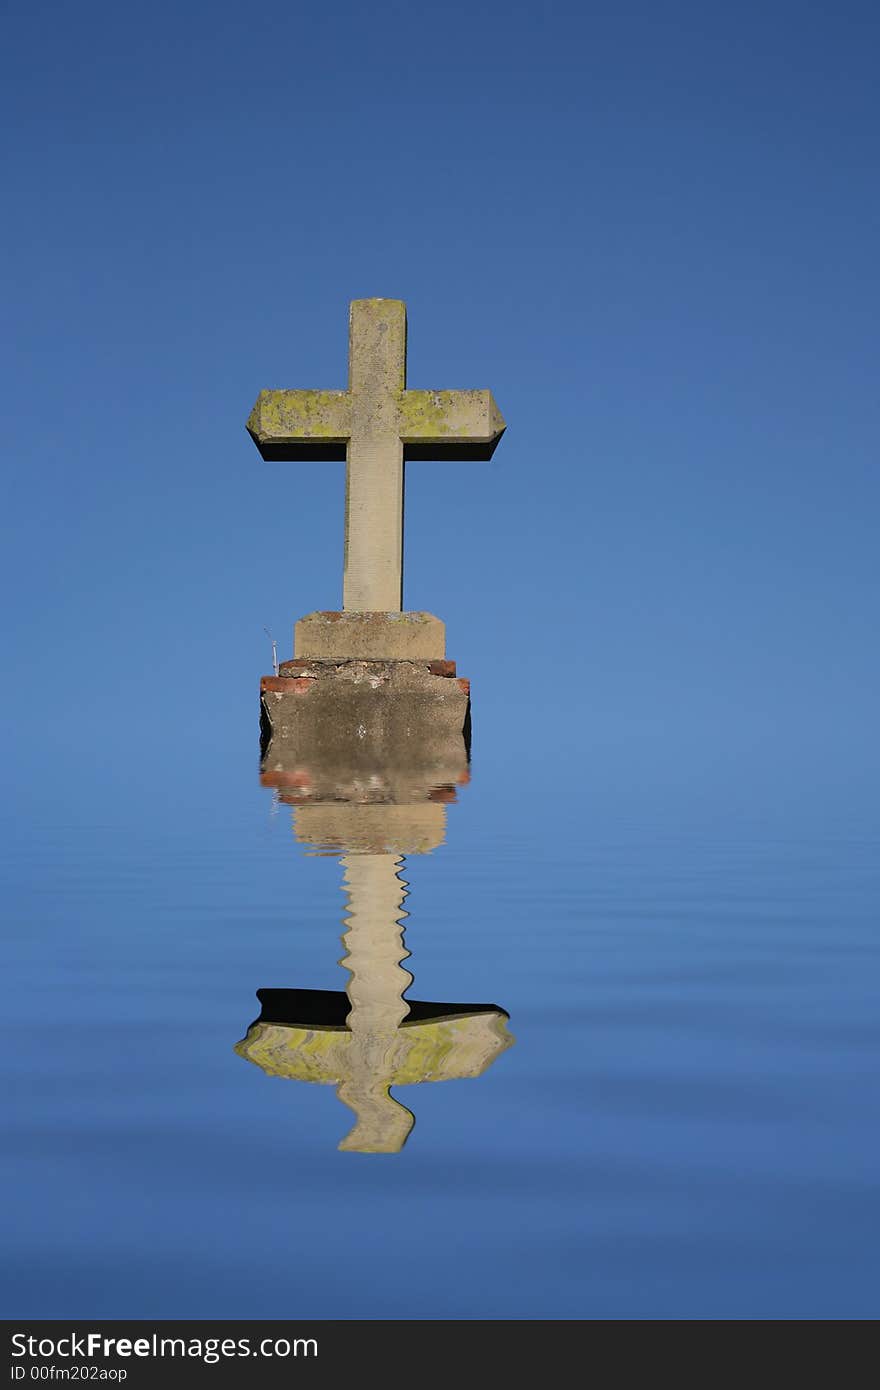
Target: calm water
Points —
{"points": [[683, 1125]]}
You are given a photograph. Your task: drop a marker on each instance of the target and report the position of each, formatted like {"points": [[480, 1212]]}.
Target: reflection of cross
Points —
{"points": [[376, 425], [370, 1038]]}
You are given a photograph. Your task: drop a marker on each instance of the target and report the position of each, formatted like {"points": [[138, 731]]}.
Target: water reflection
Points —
{"points": [[370, 1037]]}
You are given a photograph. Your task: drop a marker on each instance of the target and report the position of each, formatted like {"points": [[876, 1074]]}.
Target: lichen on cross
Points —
{"points": [[376, 425]]}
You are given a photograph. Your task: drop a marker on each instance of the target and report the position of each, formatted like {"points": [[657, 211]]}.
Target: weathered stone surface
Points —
{"points": [[317, 423], [376, 424], [368, 768], [312, 667], [373, 570], [367, 714], [370, 636], [449, 424], [312, 425]]}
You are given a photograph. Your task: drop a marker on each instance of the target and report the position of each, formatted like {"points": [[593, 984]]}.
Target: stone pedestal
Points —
{"points": [[341, 636], [365, 714]]}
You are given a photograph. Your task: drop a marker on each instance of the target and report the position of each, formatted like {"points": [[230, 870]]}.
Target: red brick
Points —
{"points": [[287, 685], [443, 794], [297, 777]]}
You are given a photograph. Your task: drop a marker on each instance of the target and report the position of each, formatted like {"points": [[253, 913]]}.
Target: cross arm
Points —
{"points": [[449, 424], [300, 425]]}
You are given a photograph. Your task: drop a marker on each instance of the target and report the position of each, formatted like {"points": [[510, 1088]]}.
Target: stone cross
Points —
{"points": [[371, 1038], [376, 425]]}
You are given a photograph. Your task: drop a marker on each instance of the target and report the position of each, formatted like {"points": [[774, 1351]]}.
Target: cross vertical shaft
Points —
{"points": [[373, 568], [374, 942]]}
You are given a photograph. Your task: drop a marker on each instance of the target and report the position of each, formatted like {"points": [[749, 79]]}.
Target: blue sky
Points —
{"points": [[650, 229]]}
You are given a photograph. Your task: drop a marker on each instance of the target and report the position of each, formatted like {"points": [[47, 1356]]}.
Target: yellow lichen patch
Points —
{"points": [[281, 415], [426, 416], [442, 1050], [303, 1054], [449, 1049]]}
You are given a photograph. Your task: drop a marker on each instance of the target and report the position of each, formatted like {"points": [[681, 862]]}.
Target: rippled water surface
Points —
{"points": [[662, 1104]]}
